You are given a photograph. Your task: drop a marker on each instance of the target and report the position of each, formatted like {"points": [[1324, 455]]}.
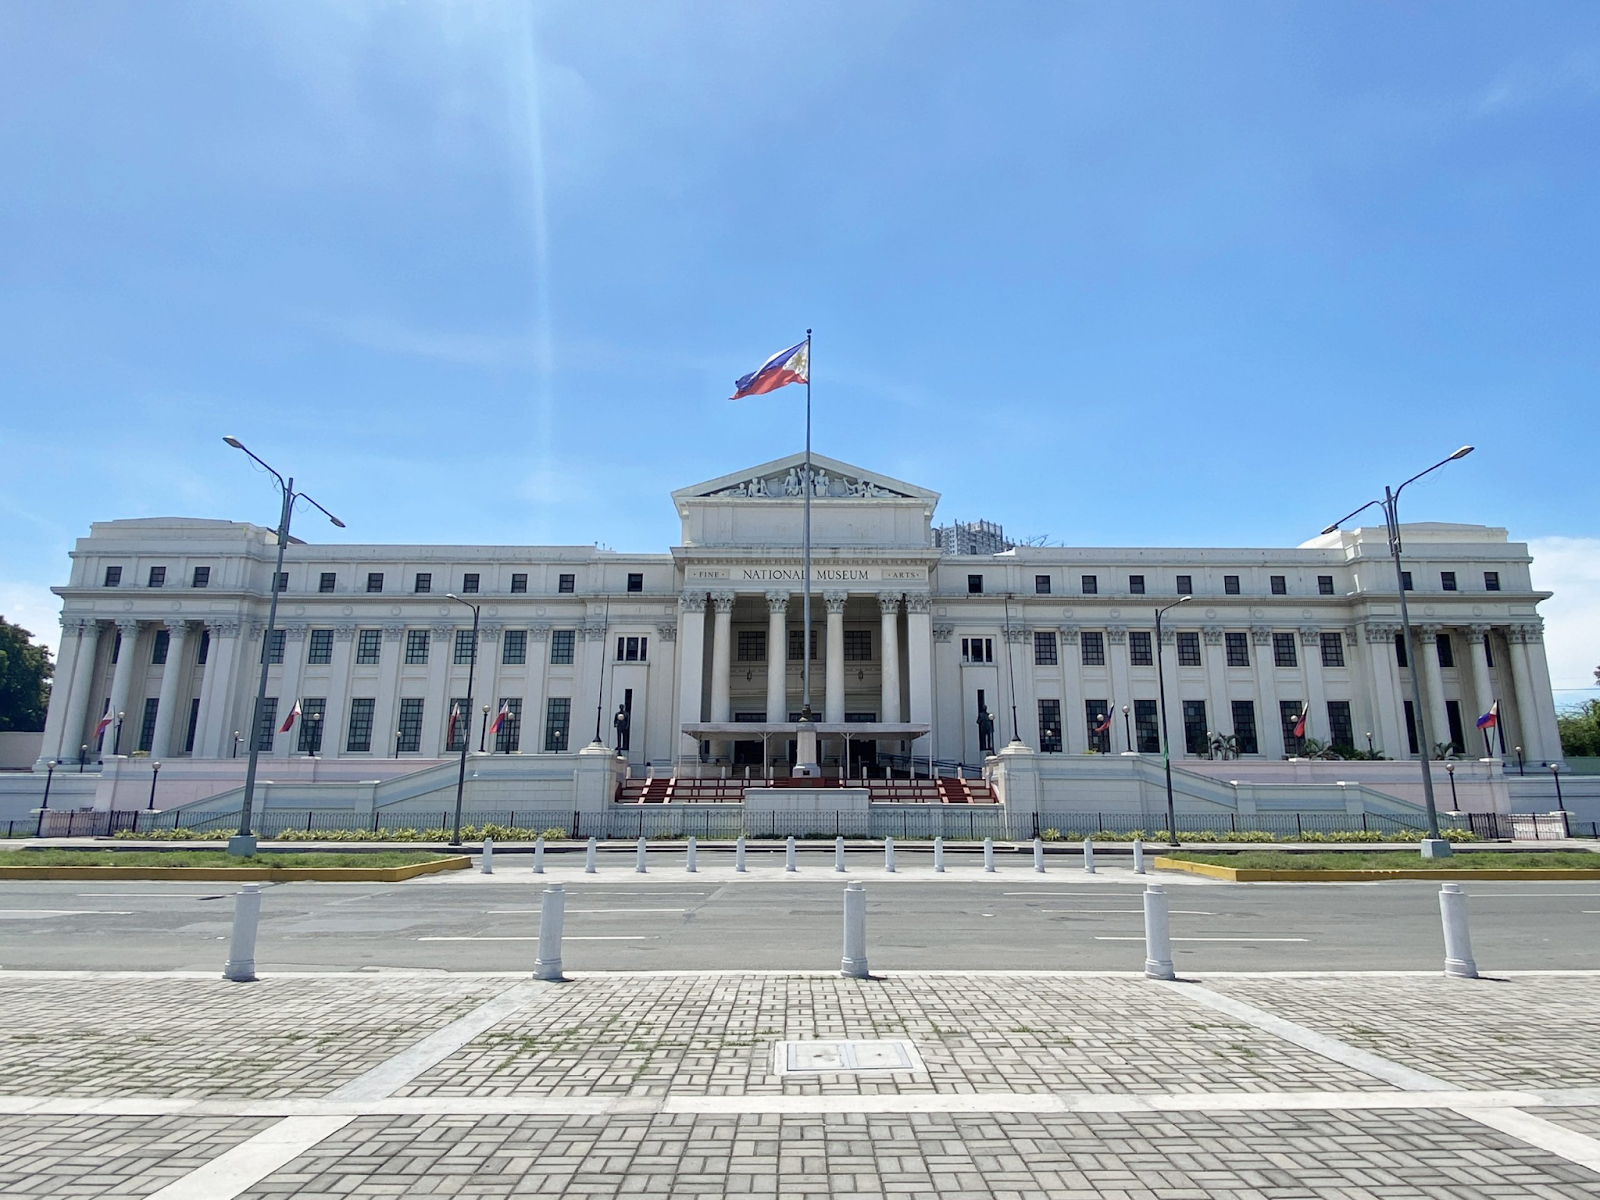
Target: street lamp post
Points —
{"points": [[83, 756], [50, 773], [1520, 771], [314, 738], [235, 744], [1450, 770], [1127, 730], [1166, 740], [1370, 750], [1434, 846], [244, 842], [155, 773], [466, 733], [1555, 773], [116, 745], [483, 730]]}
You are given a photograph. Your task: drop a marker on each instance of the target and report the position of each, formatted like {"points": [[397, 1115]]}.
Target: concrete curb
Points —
{"points": [[1256, 875], [245, 874]]}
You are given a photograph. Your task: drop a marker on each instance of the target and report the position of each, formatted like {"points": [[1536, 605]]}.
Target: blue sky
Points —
{"points": [[1119, 274]]}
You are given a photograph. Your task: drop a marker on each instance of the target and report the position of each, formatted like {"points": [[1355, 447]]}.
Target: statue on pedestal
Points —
{"points": [[621, 723], [985, 729]]}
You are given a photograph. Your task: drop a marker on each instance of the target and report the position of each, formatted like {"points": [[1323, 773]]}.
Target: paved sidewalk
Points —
{"points": [[385, 1084]]}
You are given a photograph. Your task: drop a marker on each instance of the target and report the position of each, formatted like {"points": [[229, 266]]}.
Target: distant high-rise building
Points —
{"points": [[971, 537]]}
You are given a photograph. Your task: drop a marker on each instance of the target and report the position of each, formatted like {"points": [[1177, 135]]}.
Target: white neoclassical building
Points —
{"points": [[691, 659]]}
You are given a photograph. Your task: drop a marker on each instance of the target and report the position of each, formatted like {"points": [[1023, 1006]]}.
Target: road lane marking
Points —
{"points": [[614, 937], [532, 911], [1177, 912], [35, 914], [1102, 937]]}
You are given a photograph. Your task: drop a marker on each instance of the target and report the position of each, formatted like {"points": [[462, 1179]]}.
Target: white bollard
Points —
{"points": [[838, 854], [487, 863], [552, 912], [1138, 856], [588, 858], [688, 860], [241, 964], [1088, 855], [988, 854], [854, 963], [938, 854], [738, 855], [538, 855], [1458, 962], [888, 855], [788, 855], [639, 863], [1038, 855], [1157, 935]]}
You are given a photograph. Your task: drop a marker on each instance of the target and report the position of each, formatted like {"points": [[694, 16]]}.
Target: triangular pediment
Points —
{"points": [[780, 479]]}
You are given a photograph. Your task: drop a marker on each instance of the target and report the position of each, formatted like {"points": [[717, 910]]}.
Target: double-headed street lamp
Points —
{"points": [[465, 727], [1435, 846], [1166, 743], [244, 842]]}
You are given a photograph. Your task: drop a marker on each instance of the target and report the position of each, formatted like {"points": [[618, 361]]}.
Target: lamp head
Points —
{"points": [[233, 441], [155, 766], [336, 520], [1184, 599], [451, 596], [1330, 529], [1461, 453]]}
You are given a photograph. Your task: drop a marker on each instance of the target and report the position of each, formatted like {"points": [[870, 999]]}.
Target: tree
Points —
{"points": [[25, 671], [1580, 729]]}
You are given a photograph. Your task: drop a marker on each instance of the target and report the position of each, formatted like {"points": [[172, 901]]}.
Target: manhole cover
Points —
{"points": [[857, 1058]]}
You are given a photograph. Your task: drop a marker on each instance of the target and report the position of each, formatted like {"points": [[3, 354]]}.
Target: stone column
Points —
{"points": [[1427, 650], [171, 677], [486, 685], [336, 714], [889, 704], [121, 685], [215, 738], [533, 700], [286, 745], [1269, 729], [1219, 715], [1536, 744], [691, 663], [1387, 701], [1019, 664], [777, 656], [386, 712], [63, 738], [919, 668], [1316, 697], [721, 656], [1540, 705], [1482, 690], [1172, 719], [833, 689]]}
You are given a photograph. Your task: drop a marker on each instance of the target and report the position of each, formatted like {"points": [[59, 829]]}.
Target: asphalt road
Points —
{"points": [[668, 920]]}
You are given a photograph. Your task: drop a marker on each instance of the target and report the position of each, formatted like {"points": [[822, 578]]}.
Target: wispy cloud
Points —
{"points": [[1527, 85]]}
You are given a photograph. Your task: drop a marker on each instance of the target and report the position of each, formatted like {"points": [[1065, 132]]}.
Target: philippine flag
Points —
{"points": [[1490, 718], [499, 717], [1105, 721], [288, 722], [783, 368], [450, 732], [105, 723], [1300, 724]]}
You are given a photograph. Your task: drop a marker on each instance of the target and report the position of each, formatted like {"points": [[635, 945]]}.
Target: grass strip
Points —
{"points": [[211, 858], [1379, 860]]}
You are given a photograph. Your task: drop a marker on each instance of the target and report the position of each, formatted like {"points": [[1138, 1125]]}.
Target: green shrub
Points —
{"points": [[1051, 835]]}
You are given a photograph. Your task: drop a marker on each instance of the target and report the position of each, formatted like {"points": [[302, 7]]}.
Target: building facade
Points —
{"points": [[164, 623]]}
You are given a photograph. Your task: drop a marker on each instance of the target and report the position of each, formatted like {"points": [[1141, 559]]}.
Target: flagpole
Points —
{"points": [[805, 566], [1499, 729]]}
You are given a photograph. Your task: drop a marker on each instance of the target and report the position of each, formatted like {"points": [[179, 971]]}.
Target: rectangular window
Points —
{"points": [[272, 646], [634, 649], [557, 714], [1447, 654], [1324, 585], [858, 645], [1401, 657], [358, 738], [1341, 729], [514, 647], [1136, 585], [1230, 584], [327, 581], [116, 648], [636, 581], [312, 714], [1094, 717], [113, 577], [562, 644], [375, 581], [1196, 737], [1044, 655], [205, 648], [974, 585], [1092, 646], [1488, 650], [977, 650], [567, 583], [1491, 581], [1050, 726], [368, 646], [508, 738], [1332, 650], [1244, 727], [423, 582], [1238, 648], [1452, 716], [1147, 726], [1189, 649], [194, 725], [752, 645], [795, 642], [320, 647], [1405, 580], [267, 725], [409, 727], [1288, 717], [1279, 585], [1139, 650], [469, 582], [416, 647], [201, 577], [466, 648], [1185, 585], [282, 584], [1283, 651], [147, 727], [519, 582], [1411, 727], [1447, 581], [1090, 585], [159, 646], [458, 733], [158, 577], [1041, 585]]}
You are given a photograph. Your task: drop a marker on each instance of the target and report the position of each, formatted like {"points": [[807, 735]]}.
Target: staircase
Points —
{"points": [[731, 791]]}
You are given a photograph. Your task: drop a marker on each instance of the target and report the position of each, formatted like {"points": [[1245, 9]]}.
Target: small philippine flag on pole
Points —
{"points": [[455, 717], [500, 717], [783, 368], [288, 721], [1105, 721], [105, 722], [1490, 718], [1300, 724]]}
